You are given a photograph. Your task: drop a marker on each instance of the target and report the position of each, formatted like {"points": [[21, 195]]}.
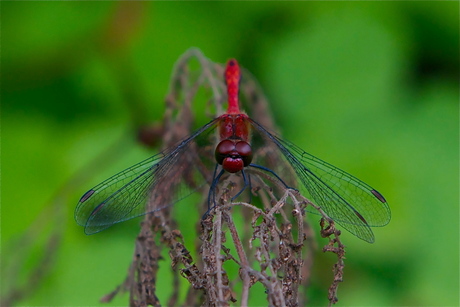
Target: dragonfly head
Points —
{"points": [[233, 155]]}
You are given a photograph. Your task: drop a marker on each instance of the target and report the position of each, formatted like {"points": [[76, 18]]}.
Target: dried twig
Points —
{"points": [[273, 246], [267, 239], [335, 246]]}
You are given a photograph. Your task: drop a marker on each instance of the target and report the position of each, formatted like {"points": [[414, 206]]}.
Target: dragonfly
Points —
{"points": [[171, 175]]}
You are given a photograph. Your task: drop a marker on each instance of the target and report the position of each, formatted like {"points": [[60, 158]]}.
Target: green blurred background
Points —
{"points": [[370, 87]]}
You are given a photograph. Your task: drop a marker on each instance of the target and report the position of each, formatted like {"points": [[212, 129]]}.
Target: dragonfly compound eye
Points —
{"points": [[224, 149], [245, 152]]}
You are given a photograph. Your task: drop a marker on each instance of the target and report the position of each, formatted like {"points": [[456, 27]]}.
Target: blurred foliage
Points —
{"points": [[372, 87]]}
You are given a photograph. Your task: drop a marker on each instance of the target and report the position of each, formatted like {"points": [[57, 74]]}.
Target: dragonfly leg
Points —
{"points": [[212, 191], [271, 172], [247, 183]]}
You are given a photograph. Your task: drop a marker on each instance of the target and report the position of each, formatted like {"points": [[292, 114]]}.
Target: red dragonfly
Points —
{"points": [[171, 175]]}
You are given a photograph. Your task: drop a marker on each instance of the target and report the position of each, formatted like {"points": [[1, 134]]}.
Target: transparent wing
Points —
{"points": [[148, 186], [347, 200]]}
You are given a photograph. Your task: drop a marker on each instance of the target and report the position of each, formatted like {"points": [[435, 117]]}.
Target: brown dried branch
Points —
{"points": [[270, 242], [335, 246]]}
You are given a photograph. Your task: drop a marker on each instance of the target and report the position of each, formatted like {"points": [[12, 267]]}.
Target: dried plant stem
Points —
{"points": [[217, 247], [271, 245]]}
